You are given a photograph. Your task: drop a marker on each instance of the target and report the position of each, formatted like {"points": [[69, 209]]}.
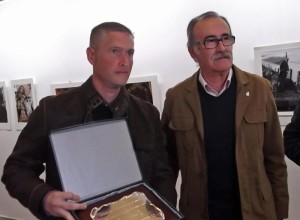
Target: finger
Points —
{"points": [[69, 205], [57, 203], [74, 206], [71, 196], [68, 216], [65, 214]]}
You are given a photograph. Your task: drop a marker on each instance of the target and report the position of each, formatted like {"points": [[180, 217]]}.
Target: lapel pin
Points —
{"points": [[247, 93]]}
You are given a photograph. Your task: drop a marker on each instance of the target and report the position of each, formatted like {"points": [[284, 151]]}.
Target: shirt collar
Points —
{"points": [[210, 90], [119, 106]]}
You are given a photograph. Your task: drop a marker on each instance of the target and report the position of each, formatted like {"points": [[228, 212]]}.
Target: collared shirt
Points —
{"points": [[212, 91]]}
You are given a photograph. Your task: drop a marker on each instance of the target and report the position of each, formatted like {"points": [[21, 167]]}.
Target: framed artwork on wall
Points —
{"points": [[145, 87], [24, 101], [57, 89], [280, 64], [4, 108]]}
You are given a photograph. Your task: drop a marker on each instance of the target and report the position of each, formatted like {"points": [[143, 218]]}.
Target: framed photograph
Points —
{"points": [[4, 108], [280, 64], [57, 89], [24, 100], [146, 88]]}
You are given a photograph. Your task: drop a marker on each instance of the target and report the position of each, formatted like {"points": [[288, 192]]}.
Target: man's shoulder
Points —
{"points": [[140, 108], [245, 76], [186, 84], [137, 101], [64, 99]]}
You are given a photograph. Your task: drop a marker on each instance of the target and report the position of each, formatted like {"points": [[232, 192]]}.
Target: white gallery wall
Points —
{"points": [[46, 41]]}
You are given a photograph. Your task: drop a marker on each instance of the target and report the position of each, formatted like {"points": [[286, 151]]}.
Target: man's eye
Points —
{"points": [[115, 51], [211, 40], [225, 37], [130, 53]]}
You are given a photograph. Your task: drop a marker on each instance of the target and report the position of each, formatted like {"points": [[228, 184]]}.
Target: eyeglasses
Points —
{"points": [[212, 42]]}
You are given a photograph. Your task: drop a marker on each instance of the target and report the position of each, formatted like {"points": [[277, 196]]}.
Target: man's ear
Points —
{"points": [[193, 54], [90, 54]]}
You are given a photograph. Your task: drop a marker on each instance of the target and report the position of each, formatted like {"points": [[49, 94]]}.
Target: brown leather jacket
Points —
{"points": [[33, 150]]}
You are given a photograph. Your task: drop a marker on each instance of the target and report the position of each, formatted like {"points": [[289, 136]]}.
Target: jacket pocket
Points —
{"points": [[185, 132], [181, 123], [255, 117], [252, 130], [189, 154], [263, 202], [266, 191]]}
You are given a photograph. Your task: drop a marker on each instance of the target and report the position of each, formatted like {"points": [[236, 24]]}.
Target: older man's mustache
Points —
{"points": [[221, 55]]}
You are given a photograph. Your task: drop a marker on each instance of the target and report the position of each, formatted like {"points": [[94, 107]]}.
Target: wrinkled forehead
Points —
{"points": [[213, 26], [106, 35], [116, 38]]}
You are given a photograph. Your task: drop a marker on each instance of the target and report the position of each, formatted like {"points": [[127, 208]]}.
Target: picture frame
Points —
{"points": [[280, 64], [58, 88], [24, 100], [145, 87], [5, 120]]}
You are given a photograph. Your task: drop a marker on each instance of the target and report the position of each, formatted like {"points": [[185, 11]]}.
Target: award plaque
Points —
{"points": [[97, 161], [130, 207], [150, 205]]}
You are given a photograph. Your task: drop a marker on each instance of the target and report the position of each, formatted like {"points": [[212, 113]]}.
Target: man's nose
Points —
{"points": [[124, 60], [221, 46]]}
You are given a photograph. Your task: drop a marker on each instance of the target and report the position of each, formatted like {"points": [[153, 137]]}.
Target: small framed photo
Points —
{"points": [[24, 100], [4, 108], [146, 88], [280, 64], [57, 89]]}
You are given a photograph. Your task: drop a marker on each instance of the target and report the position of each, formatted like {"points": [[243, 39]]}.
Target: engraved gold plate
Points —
{"points": [[135, 206]]}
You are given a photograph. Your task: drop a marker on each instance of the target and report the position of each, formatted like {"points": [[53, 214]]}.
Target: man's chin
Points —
{"points": [[121, 81], [120, 84], [223, 67]]}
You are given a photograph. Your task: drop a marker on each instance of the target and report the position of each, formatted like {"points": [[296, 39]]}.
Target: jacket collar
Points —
{"points": [[243, 95], [119, 106], [244, 91], [242, 79]]}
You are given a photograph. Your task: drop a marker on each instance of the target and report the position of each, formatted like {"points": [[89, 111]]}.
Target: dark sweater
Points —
{"points": [[219, 138]]}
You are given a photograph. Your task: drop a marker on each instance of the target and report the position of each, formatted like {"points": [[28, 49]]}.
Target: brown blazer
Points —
{"points": [[262, 171]]}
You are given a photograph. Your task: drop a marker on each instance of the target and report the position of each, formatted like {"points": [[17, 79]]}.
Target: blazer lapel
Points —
{"points": [[242, 97], [193, 102]]}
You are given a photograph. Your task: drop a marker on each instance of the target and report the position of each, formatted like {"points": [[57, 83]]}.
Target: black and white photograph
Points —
{"points": [[280, 64], [4, 108], [24, 100]]}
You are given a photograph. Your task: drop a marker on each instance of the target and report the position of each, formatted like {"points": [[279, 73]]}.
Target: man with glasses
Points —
{"points": [[224, 134]]}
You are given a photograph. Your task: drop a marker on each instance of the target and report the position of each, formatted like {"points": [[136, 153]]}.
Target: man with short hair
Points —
{"points": [[103, 96]]}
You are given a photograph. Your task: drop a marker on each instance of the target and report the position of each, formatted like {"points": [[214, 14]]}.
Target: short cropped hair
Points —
{"points": [[107, 27], [203, 16]]}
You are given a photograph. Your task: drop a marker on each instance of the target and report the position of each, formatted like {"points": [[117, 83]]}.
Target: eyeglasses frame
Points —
{"points": [[199, 43]]}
